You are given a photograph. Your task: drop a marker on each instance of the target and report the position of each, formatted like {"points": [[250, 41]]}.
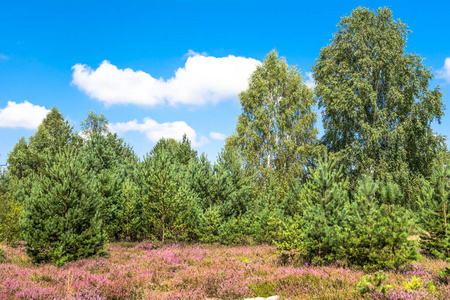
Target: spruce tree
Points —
{"points": [[61, 221]]}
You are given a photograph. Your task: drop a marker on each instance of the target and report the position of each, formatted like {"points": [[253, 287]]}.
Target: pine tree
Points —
{"points": [[61, 221], [233, 190], [394, 226], [435, 202], [129, 216], [325, 216], [361, 244], [160, 186], [112, 161]]}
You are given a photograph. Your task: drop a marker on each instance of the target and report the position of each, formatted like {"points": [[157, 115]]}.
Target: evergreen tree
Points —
{"points": [[395, 225], [28, 159], [160, 186], [325, 216], [129, 215], [380, 227], [361, 245], [377, 108], [435, 202], [233, 190], [61, 221], [112, 161]]}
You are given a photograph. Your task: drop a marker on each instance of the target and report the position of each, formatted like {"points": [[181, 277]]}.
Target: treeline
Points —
{"points": [[361, 195]]}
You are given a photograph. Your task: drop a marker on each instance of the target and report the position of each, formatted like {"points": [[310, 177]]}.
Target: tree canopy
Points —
{"points": [[376, 101]]}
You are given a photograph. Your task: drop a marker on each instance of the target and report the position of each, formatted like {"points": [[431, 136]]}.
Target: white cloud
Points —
{"points": [[445, 71], [24, 115], [217, 136], [203, 79], [155, 131], [310, 80], [3, 56]]}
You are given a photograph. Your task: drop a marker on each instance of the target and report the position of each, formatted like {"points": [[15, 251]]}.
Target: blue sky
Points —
{"points": [[158, 68]]}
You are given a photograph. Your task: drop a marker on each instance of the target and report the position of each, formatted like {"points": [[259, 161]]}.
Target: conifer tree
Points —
{"points": [[325, 216], [129, 216], [159, 183], [394, 226], [435, 202], [233, 190], [379, 227], [112, 161], [28, 158], [361, 245], [61, 221]]}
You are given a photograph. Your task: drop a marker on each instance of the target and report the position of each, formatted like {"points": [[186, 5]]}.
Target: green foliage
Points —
{"points": [[264, 289], [379, 227], [444, 276], [371, 283], [209, 225], [435, 200], [158, 177], [413, 285], [113, 162], [325, 215], [290, 247], [377, 107], [266, 214], [129, 215], [94, 124], [29, 159], [61, 221], [276, 129], [232, 189], [10, 214], [2, 256]]}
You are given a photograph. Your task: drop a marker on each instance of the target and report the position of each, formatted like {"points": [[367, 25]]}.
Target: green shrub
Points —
{"points": [[412, 285], [371, 283]]}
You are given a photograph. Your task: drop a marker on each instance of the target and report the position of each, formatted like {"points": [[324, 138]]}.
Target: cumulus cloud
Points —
{"points": [[444, 73], [203, 80], [217, 136], [310, 80], [22, 115], [155, 131]]}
